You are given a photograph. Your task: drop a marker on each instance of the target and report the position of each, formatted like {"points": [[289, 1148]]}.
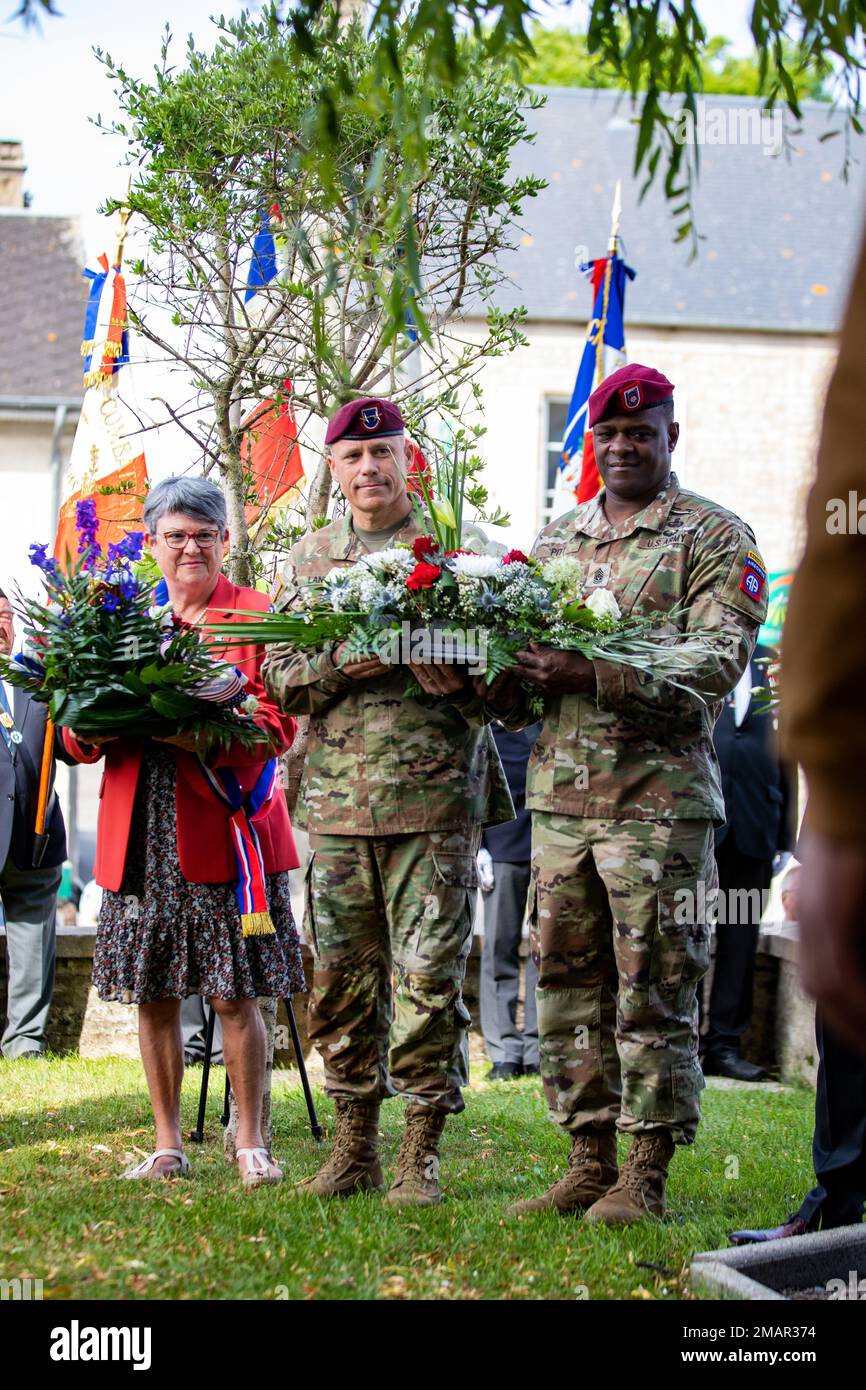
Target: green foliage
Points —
{"points": [[561, 58], [406, 175], [651, 48], [447, 487]]}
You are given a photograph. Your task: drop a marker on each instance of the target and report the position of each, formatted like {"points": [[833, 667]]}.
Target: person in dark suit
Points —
{"points": [[30, 865], [838, 1145], [760, 810], [512, 1052]]}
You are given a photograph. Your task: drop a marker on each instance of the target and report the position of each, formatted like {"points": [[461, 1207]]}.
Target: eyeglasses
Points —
{"points": [[205, 540]]}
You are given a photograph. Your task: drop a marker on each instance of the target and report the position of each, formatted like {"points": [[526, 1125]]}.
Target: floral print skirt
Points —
{"points": [[161, 937]]}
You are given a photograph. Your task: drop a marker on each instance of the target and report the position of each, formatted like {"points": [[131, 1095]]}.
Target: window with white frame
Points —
{"points": [[555, 421]]}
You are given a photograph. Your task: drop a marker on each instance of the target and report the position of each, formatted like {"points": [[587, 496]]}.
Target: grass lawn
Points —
{"points": [[68, 1127]]}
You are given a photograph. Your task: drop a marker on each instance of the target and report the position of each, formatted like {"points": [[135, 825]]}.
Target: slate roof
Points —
{"points": [[42, 299], [781, 232]]}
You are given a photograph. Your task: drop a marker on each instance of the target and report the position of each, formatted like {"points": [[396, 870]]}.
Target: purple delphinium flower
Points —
{"points": [[39, 556], [110, 602], [128, 550], [134, 544], [128, 586], [87, 525]]}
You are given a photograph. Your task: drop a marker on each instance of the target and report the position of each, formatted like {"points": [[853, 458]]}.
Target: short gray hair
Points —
{"points": [[192, 496]]}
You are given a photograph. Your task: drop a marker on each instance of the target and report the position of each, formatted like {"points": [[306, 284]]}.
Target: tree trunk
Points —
{"points": [[320, 493], [239, 564]]}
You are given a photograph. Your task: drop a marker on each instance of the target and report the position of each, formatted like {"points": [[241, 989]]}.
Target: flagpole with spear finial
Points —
{"points": [[612, 248], [124, 215]]}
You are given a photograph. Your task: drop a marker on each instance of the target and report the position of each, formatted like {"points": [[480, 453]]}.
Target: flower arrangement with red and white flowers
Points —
{"points": [[500, 603]]}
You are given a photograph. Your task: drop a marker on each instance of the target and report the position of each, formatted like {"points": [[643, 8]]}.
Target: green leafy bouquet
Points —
{"points": [[109, 660]]}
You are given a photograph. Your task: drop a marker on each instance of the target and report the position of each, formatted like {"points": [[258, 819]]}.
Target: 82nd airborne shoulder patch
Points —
{"points": [[754, 576]]}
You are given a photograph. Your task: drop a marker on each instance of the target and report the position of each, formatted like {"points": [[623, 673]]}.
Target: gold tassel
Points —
{"points": [[257, 924], [97, 378]]}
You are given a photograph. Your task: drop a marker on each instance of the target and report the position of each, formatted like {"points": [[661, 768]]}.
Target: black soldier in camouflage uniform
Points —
{"points": [[625, 790]]}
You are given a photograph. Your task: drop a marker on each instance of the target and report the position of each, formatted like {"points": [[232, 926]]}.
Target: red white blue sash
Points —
{"points": [[251, 890]]}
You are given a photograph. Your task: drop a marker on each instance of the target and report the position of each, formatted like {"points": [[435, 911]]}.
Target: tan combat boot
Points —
{"points": [[591, 1172], [353, 1165], [640, 1190], [416, 1180]]}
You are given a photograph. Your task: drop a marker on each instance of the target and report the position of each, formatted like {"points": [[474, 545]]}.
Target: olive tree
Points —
{"points": [[371, 285]]}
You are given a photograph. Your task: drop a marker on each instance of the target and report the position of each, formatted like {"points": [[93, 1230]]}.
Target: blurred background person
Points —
{"points": [[838, 1145], [89, 904], [823, 680], [512, 1051], [193, 1022], [755, 840], [68, 896], [823, 684]]}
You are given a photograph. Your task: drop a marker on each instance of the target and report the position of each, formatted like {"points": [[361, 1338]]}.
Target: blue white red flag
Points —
{"points": [[106, 463], [603, 353]]}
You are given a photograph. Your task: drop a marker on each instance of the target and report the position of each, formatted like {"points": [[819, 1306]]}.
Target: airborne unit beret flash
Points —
{"points": [[629, 389], [365, 419]]}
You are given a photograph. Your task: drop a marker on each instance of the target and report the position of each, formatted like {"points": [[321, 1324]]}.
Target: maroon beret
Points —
{"points": [[364, 419], [629, 388]]}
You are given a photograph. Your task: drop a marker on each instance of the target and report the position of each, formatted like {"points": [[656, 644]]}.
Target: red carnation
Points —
{"points": [[424, 545], [515, 557], [423, 576]]}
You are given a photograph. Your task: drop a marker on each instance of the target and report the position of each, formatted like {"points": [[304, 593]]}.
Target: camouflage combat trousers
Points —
{"points": [[620, 936], [390, 921]]}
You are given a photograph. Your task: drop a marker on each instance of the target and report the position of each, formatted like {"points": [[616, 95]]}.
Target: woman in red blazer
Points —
{"points": [[188, 907]]}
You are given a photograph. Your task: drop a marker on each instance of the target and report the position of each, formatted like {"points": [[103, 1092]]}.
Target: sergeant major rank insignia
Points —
{"points": [[754, 576], [597, 574]]}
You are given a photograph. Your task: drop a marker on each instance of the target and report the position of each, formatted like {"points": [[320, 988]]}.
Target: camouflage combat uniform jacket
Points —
{"points": [[641, 749], [378, 762]]}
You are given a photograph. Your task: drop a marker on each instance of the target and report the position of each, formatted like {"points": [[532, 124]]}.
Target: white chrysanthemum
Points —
{"points": [[475, 566], [393, 558], [602, 603]]}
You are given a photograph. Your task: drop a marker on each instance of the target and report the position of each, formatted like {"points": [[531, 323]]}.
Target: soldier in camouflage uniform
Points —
{"points": [[625, 791], [395, 793]]}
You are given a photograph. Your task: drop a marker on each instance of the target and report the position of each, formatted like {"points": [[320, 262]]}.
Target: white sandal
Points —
{"points": [[260, 1168], [145, 1168]]}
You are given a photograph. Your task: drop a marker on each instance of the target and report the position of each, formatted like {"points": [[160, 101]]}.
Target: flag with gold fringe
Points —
{"points": [[107, 463]]}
